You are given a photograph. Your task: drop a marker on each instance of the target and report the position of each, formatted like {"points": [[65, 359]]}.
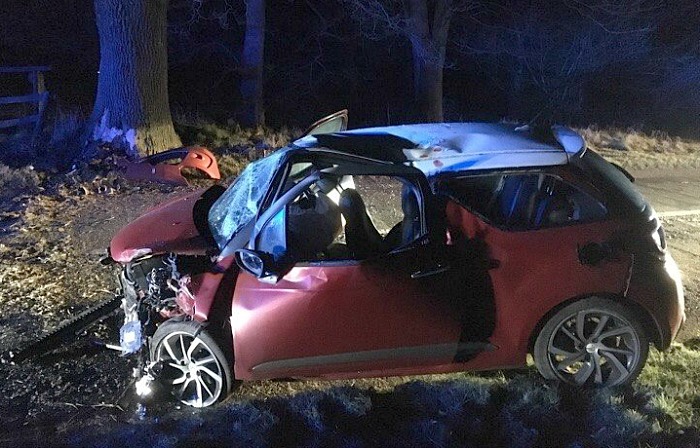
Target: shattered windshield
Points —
{"points": [[241, 201]]}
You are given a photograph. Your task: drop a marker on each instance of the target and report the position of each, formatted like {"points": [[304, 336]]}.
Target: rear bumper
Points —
{"points": [[656, 286]]}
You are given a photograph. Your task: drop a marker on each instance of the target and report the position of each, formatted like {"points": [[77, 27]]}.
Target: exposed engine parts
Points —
{"points": [[154, 288], [145, 284]]}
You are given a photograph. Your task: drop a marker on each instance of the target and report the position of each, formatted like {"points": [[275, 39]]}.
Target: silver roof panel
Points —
{"points": [[470, 146]]}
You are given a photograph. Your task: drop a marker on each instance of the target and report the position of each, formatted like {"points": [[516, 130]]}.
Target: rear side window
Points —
{"points": [[477, 193], [522, 201]]}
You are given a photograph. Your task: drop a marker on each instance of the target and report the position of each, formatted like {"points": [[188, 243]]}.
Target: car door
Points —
{"points": [[395, 312], [534, 229], [335, 122]]}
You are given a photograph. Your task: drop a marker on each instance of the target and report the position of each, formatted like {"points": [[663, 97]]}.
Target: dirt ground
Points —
{"points": [[683, 233], [49, 272]]}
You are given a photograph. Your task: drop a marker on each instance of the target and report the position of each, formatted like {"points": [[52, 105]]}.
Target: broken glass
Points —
{"points": [[240, 203]]}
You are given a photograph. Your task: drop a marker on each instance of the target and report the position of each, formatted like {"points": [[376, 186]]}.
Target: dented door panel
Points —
{"points": [[338, 318]]}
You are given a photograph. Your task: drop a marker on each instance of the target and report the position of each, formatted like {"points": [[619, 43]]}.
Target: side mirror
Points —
{"points": [[258, 264]]}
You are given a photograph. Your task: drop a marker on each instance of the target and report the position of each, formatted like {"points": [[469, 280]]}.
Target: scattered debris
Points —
{"points": [[65, 333], [160, 167]]}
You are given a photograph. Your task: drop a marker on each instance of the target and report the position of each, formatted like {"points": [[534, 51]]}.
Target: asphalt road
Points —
{"points": [[672, 193], [676, 197]]}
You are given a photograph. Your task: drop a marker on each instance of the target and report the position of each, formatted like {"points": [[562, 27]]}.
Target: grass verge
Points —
{"points": [[635, 149], [501, 409]]}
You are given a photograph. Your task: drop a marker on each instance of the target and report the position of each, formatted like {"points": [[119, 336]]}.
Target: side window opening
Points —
{"points": [[516, 199], [351, 218], [523, 201], [566, 203], [477, 193]]}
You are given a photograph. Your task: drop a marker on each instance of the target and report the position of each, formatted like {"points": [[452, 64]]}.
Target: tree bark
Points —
{"points": [[251, 111], [427, 84], [131, 107], [428, 44], [515, 90]]}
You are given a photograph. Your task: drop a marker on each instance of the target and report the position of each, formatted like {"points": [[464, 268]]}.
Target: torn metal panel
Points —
{"points": [[156, 167]]}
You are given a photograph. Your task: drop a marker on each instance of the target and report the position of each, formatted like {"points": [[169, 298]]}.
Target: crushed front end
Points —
{"points": [[155, 289]]}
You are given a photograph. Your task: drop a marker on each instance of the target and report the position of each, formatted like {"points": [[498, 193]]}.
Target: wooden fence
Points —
{"points": [[38, 96]]}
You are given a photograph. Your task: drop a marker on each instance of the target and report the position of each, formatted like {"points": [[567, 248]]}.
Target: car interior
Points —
{"points": [[523, 201], [333, 221]]}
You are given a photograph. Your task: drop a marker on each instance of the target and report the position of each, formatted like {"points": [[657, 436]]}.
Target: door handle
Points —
{"points": [[432, 270], [592, 254]]}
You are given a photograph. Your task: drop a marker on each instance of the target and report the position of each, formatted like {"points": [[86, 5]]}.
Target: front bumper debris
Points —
{"points": [[64, 333]]}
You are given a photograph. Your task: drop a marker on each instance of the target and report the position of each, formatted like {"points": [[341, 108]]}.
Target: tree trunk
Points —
{"points": [[515, 90], [428, 43], [251, 112], [131, 107], [427, 84]]}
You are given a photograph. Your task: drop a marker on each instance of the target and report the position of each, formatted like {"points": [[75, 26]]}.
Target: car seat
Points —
{"points": [[361, 237], [559, 211], [411, 225], [515, 199], [553, 208], [312, 225]]}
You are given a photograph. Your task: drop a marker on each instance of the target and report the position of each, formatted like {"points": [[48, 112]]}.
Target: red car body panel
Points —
{"points": [[176, 232], [318, 315], [536, 271], [295, 327], [207, 288], [156, 168], [317, 311]]}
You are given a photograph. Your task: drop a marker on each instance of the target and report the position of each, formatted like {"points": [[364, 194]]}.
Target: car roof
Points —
{"points": [[447, 147]]}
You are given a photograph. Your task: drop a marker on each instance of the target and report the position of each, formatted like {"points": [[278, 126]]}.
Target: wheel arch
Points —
{"points": [[647, 321], [218, 330]]}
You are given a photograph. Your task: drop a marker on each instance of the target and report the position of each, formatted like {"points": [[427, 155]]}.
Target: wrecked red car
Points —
{"points": [[401, 250]]}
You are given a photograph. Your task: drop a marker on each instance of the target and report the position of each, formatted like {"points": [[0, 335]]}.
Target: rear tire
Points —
{"points": [[592, 342], [196, 363]]}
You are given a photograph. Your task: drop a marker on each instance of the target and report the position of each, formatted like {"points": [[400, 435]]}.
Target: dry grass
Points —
{"points": [[516, 409], [18, 182], [56, 148], [234, 146], [634, 149]]}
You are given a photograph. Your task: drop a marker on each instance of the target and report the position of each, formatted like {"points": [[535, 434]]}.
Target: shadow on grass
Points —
{"points": [[524, 412]]}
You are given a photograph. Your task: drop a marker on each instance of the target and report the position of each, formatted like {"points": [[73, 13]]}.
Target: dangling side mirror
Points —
{"points": [[258, 264]]}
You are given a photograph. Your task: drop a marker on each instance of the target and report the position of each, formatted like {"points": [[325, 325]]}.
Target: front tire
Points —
{"points": [[195, 365], [592, 342]]}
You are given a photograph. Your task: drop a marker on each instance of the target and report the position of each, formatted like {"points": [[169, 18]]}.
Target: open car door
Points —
{"points": [[335, 122], [388, 310]]}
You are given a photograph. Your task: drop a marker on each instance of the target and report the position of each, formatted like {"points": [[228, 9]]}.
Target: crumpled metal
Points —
{"points": [[155, 168]]}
